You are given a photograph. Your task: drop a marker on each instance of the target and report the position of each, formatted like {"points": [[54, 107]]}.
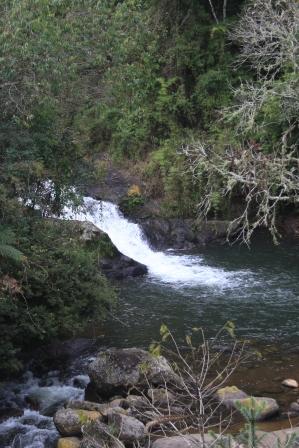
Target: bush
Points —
{"points": [[61, 291]]}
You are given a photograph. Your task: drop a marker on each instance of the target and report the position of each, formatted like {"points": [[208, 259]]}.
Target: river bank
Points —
{"points": [[41, 397]]}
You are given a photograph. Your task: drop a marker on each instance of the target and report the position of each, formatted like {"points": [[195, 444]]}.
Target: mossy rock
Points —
{"points": [[262, 407], [230, 393], [69, 422], [69, 442]]}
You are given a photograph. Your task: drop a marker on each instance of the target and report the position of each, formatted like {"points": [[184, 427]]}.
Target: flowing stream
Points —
{"points": [[181, 270], [258, 289]]}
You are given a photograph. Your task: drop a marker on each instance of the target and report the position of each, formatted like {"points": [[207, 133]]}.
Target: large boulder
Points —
{"points": [[234, 398], [263, 406], [229, 394], [192, 441], [183, 233], [127, 429], [69, 422], [115, 371]]}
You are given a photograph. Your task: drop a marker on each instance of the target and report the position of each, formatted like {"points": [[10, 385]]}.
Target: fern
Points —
{"points": [[7, 249]]}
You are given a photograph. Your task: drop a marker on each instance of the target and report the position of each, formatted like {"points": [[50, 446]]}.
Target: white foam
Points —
{"points": [[129, 239]]}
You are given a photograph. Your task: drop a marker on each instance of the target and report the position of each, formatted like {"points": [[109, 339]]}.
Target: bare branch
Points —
{"points": [[268, 36], [263, 180]]}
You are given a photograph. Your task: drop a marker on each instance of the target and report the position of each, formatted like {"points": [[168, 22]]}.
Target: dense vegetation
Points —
{"points": [[169, 87]]}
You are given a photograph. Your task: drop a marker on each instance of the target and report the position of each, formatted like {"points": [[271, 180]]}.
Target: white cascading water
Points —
{"points": [[35, 429], [130, 240]]}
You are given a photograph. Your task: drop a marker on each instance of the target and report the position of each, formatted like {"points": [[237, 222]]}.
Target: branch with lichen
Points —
{"points": [[264, 181]]}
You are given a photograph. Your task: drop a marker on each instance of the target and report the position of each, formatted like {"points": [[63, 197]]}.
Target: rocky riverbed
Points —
{"points": [[129, 398]]}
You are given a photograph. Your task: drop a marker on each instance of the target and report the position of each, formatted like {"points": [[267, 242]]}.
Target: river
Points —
{"points": [[257, 289]]}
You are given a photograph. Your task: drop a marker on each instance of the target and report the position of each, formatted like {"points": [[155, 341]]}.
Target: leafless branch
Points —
{"points": [[268, 36], [263, 180]]}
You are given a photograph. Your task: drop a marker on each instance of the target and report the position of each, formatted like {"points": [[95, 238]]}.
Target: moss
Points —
{"points": [[228, 390]]}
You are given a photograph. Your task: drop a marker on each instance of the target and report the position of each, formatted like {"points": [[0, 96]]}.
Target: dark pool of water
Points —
{"points": [[261, 298]]}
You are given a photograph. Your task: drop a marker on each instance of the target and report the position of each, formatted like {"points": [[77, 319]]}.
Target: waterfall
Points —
{"points": [[129, 239]]}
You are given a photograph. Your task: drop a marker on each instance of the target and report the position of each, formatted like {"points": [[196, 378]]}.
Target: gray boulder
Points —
{"points": [[234, 398], [191, 441], [294, 408], [115, 371], [228, 395], [265, 407], [69, 422], [127, 429]]}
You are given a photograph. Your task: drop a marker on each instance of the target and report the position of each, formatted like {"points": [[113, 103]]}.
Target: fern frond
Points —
{"points": [[11, 253], [7, 236]]}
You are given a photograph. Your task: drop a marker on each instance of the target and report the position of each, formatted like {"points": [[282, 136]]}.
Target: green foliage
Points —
{"points": [[250, 410], [62, 290], [50, 285], [130, 204]]}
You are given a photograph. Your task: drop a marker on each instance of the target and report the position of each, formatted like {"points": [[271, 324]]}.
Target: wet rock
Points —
{"points": [[99, 435], [163, 233], [62, 353], [81, 381], [127, 429], [292, 384], [69, 442], [120, 266], [183, 233], [69, 422], [115, 371]]}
